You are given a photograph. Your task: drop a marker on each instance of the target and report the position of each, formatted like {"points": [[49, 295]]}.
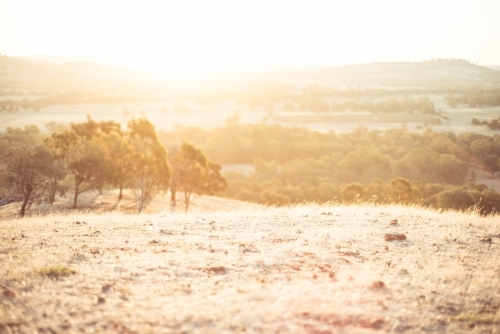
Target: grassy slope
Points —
{"points": [[301, 269], [92, 201]]}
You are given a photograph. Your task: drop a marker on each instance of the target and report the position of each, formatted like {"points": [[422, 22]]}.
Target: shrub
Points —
{"points": [[56, 271]]}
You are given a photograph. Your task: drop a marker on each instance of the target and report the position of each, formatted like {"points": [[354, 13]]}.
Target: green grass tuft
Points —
{"points": [[56, 271]]}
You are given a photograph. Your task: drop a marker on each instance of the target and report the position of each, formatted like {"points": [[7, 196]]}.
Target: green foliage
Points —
{"points": [[16, 137], [214, 181], [84, 162], [190, 167], [475, 99], [272, 197], [401, 191], [150, 168], [352, 193], [28, 171], [457, 199], [56, 271]]}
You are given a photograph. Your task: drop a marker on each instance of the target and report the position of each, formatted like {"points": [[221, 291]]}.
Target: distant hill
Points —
{"points": [[58, 59], [55, 72], [18, 73], [426, 73]]}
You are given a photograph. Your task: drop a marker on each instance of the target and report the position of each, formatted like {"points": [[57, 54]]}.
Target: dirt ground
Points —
{"points": [[306, 269]]}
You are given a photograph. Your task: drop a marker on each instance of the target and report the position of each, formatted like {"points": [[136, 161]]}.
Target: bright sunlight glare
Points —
{"points": [[201, 36]]}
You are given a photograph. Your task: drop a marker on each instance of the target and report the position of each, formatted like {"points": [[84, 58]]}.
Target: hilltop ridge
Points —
{"points": [[36, 73], [299, 269]]}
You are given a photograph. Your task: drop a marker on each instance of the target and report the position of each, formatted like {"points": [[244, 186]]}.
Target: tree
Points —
{"points": [[87, 130], [119, 153], [401, 191], [214, 182], [91, 130], [150, 168], [352, 193], [59, 144], [270, 197], [28, 171], [190, 169], [456, 199], [84, 162]]}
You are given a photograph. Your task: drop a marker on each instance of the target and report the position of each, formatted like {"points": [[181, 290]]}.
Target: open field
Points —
{"points": [[163, 116], [160, 113], [305, 269]]}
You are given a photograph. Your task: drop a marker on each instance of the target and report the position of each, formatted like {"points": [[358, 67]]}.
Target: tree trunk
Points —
{"points": [[121, 191], [186, 199], [53, 190], [172, 197], [23, 207], [77, 186]]}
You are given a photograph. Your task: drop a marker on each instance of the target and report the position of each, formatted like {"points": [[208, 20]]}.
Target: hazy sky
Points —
{"points": [[210, 35]]}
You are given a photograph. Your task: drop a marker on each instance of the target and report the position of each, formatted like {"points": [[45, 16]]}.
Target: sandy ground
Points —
{"points": [[306, 269]]}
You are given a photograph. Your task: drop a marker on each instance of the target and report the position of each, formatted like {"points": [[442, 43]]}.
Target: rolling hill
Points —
{"points": [[302, 269]]}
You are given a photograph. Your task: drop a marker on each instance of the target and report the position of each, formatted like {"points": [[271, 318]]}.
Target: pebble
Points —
{"points": [[8, 293], [378, 285], [394, 236], [217, 270], [486, 240]]}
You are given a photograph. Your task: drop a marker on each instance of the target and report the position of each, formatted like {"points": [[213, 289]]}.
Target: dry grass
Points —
{"points": [[93, 202], [305, 269]]}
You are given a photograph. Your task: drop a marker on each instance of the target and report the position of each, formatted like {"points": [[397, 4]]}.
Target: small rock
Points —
{"points": [[9, 293], [486, 240], [394, 222], [378, 285], [375, 323], [105, 288], [403, 272], [394, 236], [101, 300], [217, 270]]}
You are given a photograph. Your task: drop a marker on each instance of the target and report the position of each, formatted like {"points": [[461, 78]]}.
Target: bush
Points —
{"points": [[271, 197], [352, 193], [457, 199]]}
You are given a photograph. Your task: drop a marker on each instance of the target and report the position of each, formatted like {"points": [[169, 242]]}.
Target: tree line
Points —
{"points": [[358, 156], [477, 98], [293, 165], [289, 165], [92, 155]]}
